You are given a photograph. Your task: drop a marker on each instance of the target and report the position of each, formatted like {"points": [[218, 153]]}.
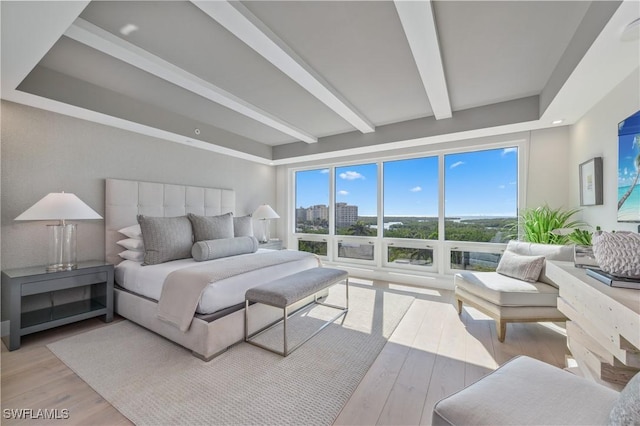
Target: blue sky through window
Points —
{"points": [[357, 186], [480, 183], [411, 187]]}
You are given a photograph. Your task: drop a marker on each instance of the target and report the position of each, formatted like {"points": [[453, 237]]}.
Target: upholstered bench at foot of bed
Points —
{"points": [[285, 292]]}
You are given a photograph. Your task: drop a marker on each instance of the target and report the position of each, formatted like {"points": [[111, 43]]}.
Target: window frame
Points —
{"points": [[441, 247]]}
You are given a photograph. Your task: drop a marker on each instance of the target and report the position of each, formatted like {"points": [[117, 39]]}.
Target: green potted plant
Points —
{"points": [[538, 225]]}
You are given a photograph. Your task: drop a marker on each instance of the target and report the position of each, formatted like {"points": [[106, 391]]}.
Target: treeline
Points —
{"points": [[495, 230]]}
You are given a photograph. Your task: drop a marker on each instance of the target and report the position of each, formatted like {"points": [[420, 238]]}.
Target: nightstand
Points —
{"points": [[271, 245], [20, 284]]}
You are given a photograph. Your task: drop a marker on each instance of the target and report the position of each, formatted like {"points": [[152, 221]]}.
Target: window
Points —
{"points": [[313, 246], [312, 201], [441, 212], [481, 195], [415, 256], [356, 207], [411, 198], [355, 250], [474, 261]]}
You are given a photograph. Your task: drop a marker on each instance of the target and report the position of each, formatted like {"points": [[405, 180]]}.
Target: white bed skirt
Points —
{"points": [[205, 339]]}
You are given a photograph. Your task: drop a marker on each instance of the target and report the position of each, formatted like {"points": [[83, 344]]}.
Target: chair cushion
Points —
{"points": [[506, 291], [525, 391]]}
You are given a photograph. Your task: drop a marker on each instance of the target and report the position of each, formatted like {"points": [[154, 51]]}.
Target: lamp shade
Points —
{"points": [[59, 206], [265, 212]]}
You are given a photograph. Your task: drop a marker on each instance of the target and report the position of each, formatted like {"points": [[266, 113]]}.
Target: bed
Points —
{"points": [[218, 322]]}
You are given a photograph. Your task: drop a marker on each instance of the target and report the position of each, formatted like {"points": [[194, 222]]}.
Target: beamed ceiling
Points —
{"points": [[286, 81]]}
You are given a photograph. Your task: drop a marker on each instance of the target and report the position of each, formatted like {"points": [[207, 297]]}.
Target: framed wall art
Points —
{"points": [[591, 182]]}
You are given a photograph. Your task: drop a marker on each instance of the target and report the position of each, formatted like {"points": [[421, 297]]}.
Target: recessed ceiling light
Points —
{"points": [[128, 29], [557, 121]]}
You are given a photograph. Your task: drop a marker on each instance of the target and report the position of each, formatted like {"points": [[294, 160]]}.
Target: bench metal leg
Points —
{"points": [[286, 351]]}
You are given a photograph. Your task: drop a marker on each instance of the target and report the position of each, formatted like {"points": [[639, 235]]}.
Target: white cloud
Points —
{"points": [[456, 164], [513, 183], [509, 150], [501, 187], [324, 171], [416, 189], [343, 192], [351, 175]]}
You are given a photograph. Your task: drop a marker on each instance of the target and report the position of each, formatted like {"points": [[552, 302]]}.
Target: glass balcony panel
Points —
{"points": [[355, 250], [474, 260]]}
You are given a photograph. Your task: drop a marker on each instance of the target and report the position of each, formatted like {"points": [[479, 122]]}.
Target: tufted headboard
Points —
{"points": [[126, 199]]}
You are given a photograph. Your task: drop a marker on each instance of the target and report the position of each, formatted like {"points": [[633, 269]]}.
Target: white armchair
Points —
{"points": [[507, 299]]}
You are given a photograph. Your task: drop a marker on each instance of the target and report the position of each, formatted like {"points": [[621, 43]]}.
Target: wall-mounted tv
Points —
{"points": [[629, 169]]}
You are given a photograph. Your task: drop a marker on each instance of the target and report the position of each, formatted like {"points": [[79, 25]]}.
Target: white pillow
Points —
{"points": [[132, 231], [525, 268], [132, 244], [136, 256]]}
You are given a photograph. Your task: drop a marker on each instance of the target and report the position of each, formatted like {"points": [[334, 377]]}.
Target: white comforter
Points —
{"points": [[148, 280]]}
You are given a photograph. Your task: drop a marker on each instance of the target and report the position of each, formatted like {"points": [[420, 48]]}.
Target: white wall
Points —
{"points": [[596, 135], [46, 152], [548, 177]]}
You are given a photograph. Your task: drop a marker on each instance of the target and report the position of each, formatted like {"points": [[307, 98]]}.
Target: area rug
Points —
{"points": [[153, 381]]}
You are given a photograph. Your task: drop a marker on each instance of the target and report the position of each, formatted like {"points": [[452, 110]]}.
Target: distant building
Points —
{"points": [[301, 214], [346, 215], [317, 212]]}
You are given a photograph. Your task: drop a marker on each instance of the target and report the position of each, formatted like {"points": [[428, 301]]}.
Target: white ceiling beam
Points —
{"points": [[237, 19], [99, 39], [419, 26]]}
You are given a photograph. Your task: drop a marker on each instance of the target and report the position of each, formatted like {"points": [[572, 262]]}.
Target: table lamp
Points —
{"points": [[62, 237], [265, 213]]}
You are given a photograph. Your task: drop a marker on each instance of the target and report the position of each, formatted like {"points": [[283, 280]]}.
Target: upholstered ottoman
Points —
{"points": [[525, 391]]}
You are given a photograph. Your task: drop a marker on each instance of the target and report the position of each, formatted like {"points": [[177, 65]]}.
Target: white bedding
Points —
{"points": [[148, 280]]}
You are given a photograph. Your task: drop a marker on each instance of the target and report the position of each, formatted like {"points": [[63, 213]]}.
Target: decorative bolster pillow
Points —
{"points": [[223, 247]]}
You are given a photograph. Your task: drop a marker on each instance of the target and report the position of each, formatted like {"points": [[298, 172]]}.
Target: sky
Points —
{"points": [[482, 183]]}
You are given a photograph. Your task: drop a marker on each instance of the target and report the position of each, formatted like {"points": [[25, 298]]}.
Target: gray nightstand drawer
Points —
{"points": [[44, 286]]}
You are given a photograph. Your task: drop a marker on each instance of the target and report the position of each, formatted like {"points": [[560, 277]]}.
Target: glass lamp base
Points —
{"points": [[264, 238], [62, 248]]}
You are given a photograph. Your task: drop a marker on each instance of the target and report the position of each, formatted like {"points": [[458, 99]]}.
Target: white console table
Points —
{"points": [[603, 331]]}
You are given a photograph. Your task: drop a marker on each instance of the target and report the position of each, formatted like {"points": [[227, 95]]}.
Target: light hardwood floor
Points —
{"points": [[432, 353]]}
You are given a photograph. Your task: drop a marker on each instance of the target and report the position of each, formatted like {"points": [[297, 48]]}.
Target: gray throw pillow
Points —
{"points": [[165, 238], [626, 410], [212, 227], [525, 268], [224, 247], [243, 226]]}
